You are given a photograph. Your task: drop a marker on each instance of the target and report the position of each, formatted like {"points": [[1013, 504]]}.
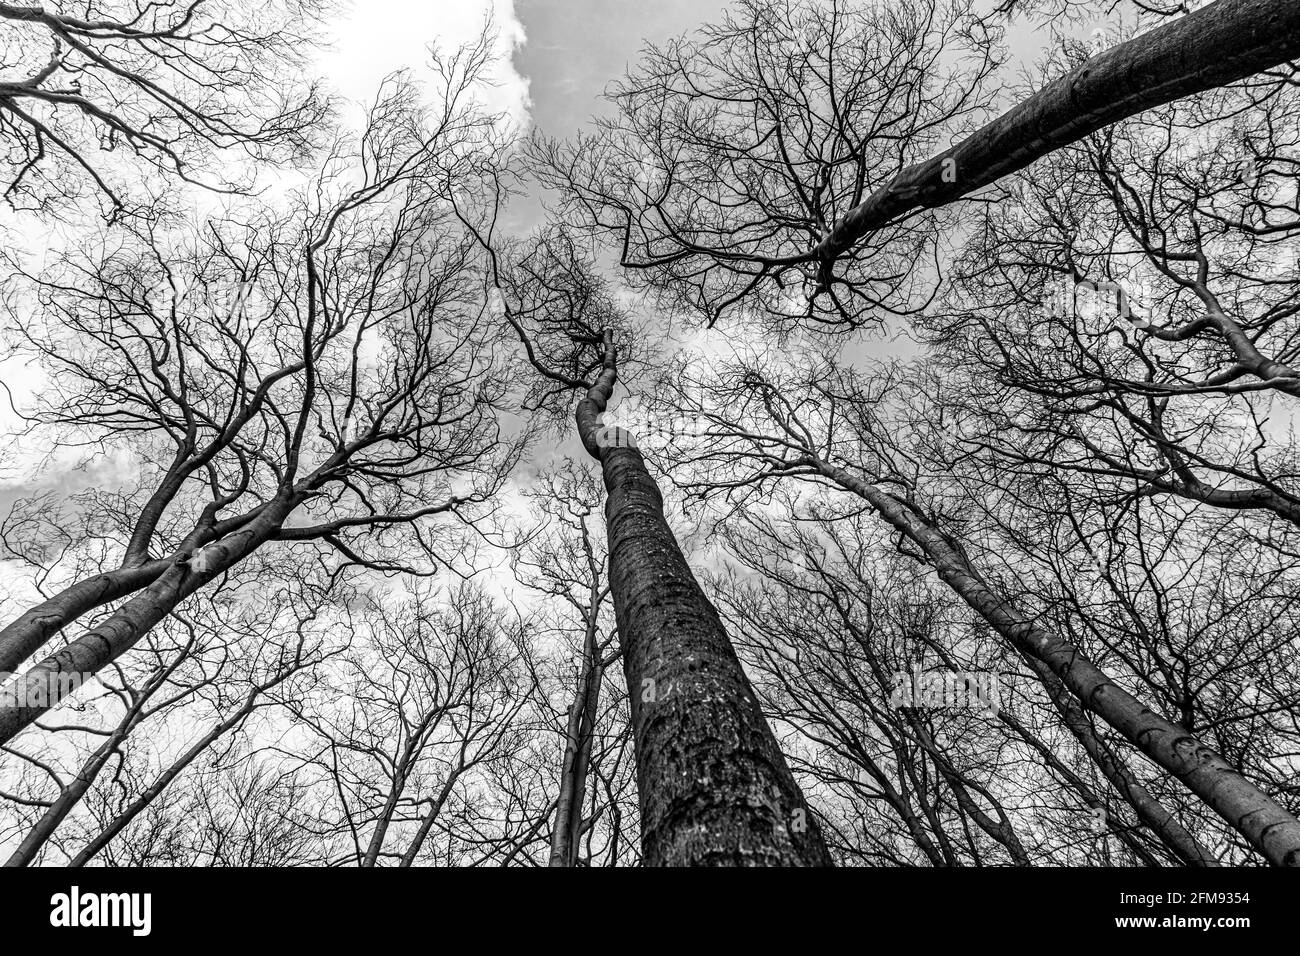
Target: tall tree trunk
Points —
{"points": [[714, 788], [1211, 47], [1150, 811], [1268, 827], [579, 734]]}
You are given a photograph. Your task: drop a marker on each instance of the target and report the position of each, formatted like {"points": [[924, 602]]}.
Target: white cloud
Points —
{"points": [[374, 38]]}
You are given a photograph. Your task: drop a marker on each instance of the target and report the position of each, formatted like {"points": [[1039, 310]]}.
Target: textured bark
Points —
{"points": [[714, 788], [1268, 827], [1211, 47]]}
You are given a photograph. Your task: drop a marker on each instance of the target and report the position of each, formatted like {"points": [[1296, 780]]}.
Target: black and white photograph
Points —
{"points": [[860, 435]]}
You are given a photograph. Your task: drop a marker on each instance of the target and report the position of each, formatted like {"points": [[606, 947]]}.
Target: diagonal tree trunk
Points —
{"points": [[73, 793], [435, 807], [1268, 827], [1149, 810], [163, 781], [714, 787], [1211, 47], [24, 637], [30, 695]]}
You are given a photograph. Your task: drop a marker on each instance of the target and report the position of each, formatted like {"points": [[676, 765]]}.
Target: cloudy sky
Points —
{"points": [[557, 55], [555, 58]]}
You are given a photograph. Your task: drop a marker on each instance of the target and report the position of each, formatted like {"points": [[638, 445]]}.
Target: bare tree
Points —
{"points": [[566, 561], [833, 623], [822, 424], [735, 152], [174, 84], [344, 398], [223, 666], [1148, 306], [713, 786], [777, 147], [430, 692]]}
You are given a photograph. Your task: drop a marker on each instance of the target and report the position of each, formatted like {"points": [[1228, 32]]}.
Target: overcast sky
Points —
{"points": [[555, 58], [557, 55]]}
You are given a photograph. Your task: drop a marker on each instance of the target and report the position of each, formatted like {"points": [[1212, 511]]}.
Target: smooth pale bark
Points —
{"points": [[1126, 835], [1211, 47], [577, 748], [103, 644], [1150, 811], [1267, 826], [72, 794], [385, 820], [24, 637], [713, 786]]}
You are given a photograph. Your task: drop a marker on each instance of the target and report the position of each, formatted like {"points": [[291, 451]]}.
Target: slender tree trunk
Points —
{"points": [[402, 767], [69, 797], [72, 794], [58, 811], [1081, 787], [903, 807], [577, 750], [163, 781], [1150, 811], [435, 808], [1000, 829], [714, 788], [1268, 827], [1208, 48], [385, 818]]}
